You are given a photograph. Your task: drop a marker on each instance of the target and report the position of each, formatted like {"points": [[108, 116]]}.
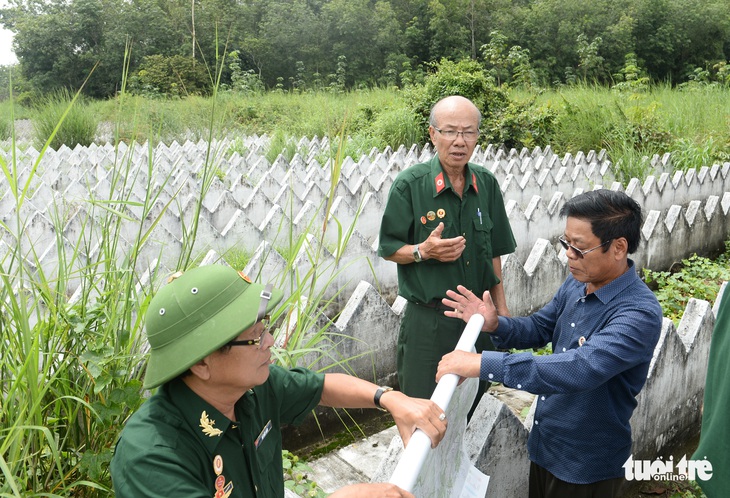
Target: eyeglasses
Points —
{"points": [[580, 254], [254, 342], [469, 136]]}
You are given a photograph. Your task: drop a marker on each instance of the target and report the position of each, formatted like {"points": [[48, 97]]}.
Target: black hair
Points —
{"points": [[611, 214]]}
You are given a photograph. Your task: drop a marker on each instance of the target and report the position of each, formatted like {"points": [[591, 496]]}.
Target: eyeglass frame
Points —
{"points": [[253, 342], [580, 254], [462, 133]]}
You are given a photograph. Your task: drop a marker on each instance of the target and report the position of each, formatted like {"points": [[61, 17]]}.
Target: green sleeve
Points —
{"points": [[396, 228], [299, 390]]}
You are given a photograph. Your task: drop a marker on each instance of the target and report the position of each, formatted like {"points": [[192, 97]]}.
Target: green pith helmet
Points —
{"points": [[197, 313]]}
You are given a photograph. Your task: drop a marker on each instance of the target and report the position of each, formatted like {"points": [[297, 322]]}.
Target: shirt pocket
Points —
{"points": [[268, 457], [483, 237]]}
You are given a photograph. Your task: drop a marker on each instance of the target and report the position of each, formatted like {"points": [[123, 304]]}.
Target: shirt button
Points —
{"points": [[572, 324], [563, 350], [537, 422], [542, 398], [582, 300], [467, 263], [491, 376], [519, 386]]}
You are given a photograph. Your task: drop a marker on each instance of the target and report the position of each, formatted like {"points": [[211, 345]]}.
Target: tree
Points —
{"points": [[58, 47], [364, 32], [495, 55], [449, 34], [292, 32], [176, 76], [589, 61]]}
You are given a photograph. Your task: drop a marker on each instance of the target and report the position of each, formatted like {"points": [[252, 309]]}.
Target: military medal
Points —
{"points": [[581, 341], [431, 215], [218, 465], [440, 213], [423, 220]]}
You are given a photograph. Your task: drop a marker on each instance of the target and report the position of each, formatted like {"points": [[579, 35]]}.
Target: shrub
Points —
{"points": [[511, 123], [62, 122], [466, 78], [521, 124], [175, 76]]}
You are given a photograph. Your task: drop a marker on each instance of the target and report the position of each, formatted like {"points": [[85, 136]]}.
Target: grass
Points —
{"points": [[692, 123], [79, 126], [71, 326]]}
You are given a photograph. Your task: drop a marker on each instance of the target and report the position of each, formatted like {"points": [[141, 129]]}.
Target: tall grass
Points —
{"points": [[78, 126], [693, 125], [6, 121], [71, 331]]}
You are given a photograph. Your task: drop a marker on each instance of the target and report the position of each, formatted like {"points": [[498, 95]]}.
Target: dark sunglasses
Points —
{"points": [[580, 254]]}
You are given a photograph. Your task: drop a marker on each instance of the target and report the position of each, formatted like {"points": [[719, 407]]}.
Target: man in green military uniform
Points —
{"points": [[444, 225], [213, 428]]}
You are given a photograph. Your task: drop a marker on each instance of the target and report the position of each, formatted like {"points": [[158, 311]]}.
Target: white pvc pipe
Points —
{"points": [[411, 461]]}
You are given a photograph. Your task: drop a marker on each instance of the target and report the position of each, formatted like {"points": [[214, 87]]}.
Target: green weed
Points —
{"points": [[696, 277]]}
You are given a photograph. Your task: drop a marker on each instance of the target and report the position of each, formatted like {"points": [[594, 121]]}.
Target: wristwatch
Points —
{"points": [[376, 399], [417, 254]]}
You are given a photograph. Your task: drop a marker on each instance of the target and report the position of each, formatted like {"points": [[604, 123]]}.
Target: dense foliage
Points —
{"points": [[696, 277], [313, 44]]}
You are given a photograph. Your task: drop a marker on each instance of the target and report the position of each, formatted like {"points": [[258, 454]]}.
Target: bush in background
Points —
{"points": [[175, 76], [56, 120]]}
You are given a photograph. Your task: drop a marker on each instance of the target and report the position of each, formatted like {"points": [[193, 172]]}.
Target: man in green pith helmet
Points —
{"points": [[214, 426]]}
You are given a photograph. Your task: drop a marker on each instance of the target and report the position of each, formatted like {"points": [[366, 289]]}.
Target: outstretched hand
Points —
{"points": [[465, 304]]}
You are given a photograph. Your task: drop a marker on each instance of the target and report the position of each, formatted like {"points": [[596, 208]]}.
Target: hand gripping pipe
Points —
{"points": [[411, 461]]}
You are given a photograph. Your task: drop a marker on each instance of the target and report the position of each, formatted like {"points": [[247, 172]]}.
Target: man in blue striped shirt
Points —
{"points": [[604, 324]]}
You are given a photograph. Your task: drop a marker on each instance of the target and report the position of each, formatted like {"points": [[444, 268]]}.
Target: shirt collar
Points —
{"points": [[203, 418], [440, 180], [617, 285]]}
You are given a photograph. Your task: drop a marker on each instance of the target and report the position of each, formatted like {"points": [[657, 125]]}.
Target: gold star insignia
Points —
{"points": [[207, 425]]}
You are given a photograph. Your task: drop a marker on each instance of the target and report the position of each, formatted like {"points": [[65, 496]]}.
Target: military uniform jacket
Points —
{"points": [[715, 436], [177, 444], [420, 198]]}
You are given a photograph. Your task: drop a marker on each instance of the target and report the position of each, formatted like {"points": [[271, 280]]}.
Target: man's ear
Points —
{"points": [[431, 132], [621, 247], [201, 369]]}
